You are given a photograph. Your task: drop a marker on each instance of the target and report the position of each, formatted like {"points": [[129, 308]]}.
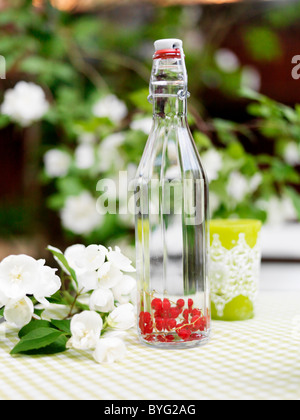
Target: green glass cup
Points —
{"points": [[235, 262]]}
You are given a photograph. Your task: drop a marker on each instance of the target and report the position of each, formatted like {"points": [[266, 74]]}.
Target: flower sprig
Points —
{"points": [[88, 308]]}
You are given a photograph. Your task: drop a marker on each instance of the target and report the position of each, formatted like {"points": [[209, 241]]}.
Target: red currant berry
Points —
{"points": [[180, 303], [159, 324], [147, 317], [170, 338], [186, 315], [166, 305], [196, 312], [150, 338], [184, 333], [174, 313], [171, 324], [161, 338], [190, 303], [196, 323], [156, 304]]}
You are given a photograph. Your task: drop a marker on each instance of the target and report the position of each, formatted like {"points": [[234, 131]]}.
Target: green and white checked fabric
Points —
{"points": [[257, 359]]}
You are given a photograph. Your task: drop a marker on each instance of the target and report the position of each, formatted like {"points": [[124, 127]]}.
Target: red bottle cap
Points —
{"points": [[164, 54]]}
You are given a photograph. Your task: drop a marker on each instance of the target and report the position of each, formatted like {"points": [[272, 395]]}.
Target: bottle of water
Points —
{"points": [[172, 231]]}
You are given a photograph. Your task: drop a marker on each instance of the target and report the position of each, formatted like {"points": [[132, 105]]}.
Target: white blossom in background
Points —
{"points": [[19, 312], [108, 154], [122, 318], [292, 154], [227, 60], [279, 210], [214, 202], [110, 350], [110, 107], [251, 78], [143, 124], [80, 215], [213, 163], [86, 329], [87, 138], [57, 163], [85, 156], [237, 187], [25, 104], [102, 300], [255, 182]]}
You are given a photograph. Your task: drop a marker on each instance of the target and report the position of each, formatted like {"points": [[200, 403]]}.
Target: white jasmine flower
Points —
{"points": [[83, 259], [48, 283], [86, 329], [102, 300], [227, 60], [3, 299], [110, 350], [19, 276], [25, 104], [292, 154], [19, 312], [73, 254], [87, 281], [109, 276], [92, 257], [237, 187], [84, 156], [112, 108], [122, 318], [251, 78], [80, 215], [57, 163], [120, 261], [124, 290], [143, 124], [213, 163]]}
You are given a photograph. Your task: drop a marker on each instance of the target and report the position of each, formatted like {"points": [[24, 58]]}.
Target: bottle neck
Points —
{"points": [[168, 88]]}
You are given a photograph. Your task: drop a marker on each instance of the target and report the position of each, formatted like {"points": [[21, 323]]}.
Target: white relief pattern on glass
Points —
{"points": [[233, 272]]}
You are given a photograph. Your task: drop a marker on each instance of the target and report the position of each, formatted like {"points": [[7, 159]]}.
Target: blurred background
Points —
{"points": [[73, 95]]}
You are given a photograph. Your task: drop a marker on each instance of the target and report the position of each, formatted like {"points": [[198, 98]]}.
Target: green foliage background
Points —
{"points": [[79, 58]]}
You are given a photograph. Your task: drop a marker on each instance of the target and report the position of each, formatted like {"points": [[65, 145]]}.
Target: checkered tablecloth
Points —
{"points": [[257, 359]]}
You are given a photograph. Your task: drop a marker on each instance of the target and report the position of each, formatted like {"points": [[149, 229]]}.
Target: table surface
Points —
{"points": [[257, 359]]}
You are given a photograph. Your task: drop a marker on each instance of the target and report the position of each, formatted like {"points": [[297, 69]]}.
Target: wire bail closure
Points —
{"points": [[183, 94]]}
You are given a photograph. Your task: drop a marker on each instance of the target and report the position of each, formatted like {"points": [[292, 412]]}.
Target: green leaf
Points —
{"points": [[139, 99], [37, 339], [33, 325], [62, 259], [263, 43], [62, 325]]}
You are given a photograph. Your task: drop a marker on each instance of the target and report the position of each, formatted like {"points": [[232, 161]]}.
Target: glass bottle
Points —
{"points": [[172, 230]]}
